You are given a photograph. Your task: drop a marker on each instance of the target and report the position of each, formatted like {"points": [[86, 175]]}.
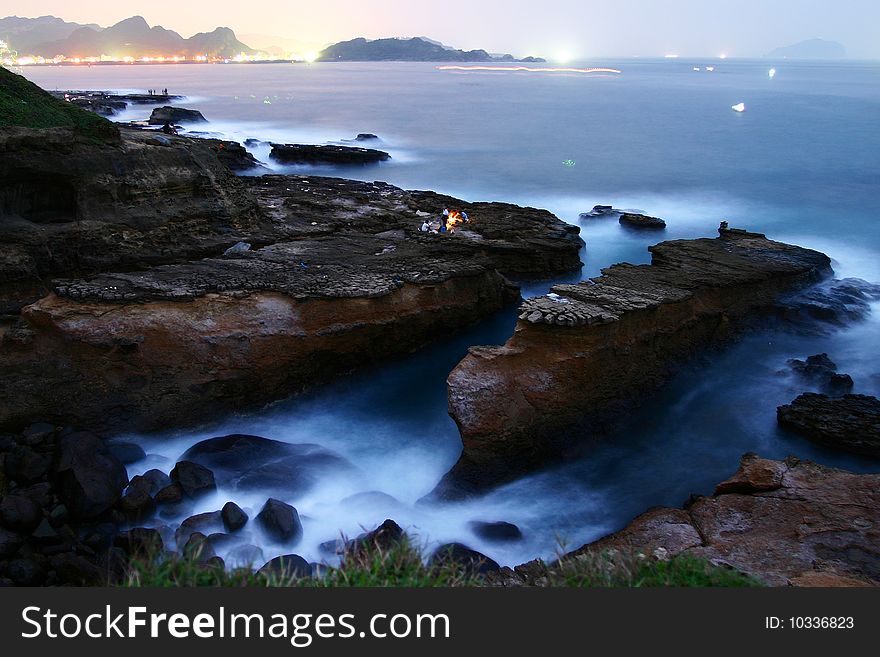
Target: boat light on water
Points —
{"points": [[739, 107], [772, 73]]}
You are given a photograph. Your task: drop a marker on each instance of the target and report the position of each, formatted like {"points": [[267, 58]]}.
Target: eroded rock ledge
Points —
{"points": [[587, 352], [337, 277], [784, 522]]}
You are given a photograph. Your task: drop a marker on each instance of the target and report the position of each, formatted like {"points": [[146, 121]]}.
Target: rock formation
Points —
{"points": [[168, 114], [587, 352], [309, 154], [785, 523], [850, 423], [338, 277], [72, 206]]}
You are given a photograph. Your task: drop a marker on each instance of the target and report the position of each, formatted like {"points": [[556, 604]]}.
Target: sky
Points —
{"points": [[556, 29]]}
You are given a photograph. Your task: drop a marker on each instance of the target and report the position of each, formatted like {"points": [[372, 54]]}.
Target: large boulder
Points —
{"points": [[461, 556], [252, 463], [281, 522], [287, 567], [20, 513], [821, 371], [194, 479], [850, 423], [90, 479], [496, 532], [641, 221], [168, 114], [233, 517]]}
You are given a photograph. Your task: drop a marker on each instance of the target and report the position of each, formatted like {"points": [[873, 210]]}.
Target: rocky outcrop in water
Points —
{"points": [[850, 423], [587, 352], [641, 221], [168, 114], [785, 523], [821, 371], [338, 277], [338, 155]]}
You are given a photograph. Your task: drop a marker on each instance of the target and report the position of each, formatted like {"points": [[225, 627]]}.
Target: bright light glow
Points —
{"points": [[772, 73], [739, 107], [671, 56], [722, 56], [710, 69], [697, 68], [563, 57], [311, 56], [528, 69]]}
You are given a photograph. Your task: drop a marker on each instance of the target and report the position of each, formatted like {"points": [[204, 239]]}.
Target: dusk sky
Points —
{"points": [[577, 28]]}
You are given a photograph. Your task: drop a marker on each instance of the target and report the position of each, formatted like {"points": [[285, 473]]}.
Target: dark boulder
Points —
{"points": [[20, 513], [287, 567], [136, 503], [204, 523], [340, 155], [140, 541], [235, 156], [822, 372], [27, 571], [90, 479], [598, 211], [384, 537], [194, 480], [26, 466], [496, 532], [366, 136], [74, 570], [850, 423], [281, 522], [171, 494], [641, 221], [198, 548], [233, 517], [158, 480], [127, 453], [167, 114], [461, 556], [9, 543], [252, 463]]}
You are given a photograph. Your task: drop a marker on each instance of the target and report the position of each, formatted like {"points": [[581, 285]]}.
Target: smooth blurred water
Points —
{"points": [[801, 164]]}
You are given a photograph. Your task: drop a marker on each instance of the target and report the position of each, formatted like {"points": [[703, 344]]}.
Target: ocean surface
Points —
{"points": [[801, 164]]}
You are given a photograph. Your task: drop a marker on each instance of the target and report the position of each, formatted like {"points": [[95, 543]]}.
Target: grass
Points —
{"points": [[402, 566], [24, 104], [635, 570]]}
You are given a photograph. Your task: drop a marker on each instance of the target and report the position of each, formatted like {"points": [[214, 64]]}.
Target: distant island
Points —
{"points": [[416, 49], [51, 37], [811, 49]]}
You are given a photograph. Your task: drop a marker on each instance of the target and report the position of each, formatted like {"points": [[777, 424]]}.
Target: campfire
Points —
{"points": [[454, 220]]}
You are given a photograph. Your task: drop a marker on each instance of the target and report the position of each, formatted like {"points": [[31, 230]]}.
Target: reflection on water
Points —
{"points": [[800, 165]]}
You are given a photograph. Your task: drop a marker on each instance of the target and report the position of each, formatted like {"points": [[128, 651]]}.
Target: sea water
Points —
{"points": [[801, 164]]}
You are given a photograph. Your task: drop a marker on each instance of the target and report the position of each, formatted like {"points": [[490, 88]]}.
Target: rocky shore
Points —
{"points": [[128, 312], [786, 523], [587, 352]]}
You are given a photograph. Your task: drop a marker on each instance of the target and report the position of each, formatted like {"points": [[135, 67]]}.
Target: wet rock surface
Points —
{"points": [[587, 352], [784, 522], [326, 154], [850, 423]]}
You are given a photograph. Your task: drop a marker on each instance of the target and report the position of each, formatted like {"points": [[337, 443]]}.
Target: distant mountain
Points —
{"points": [[811, 49], [133, 37], [417, 49], [22, 34]]}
